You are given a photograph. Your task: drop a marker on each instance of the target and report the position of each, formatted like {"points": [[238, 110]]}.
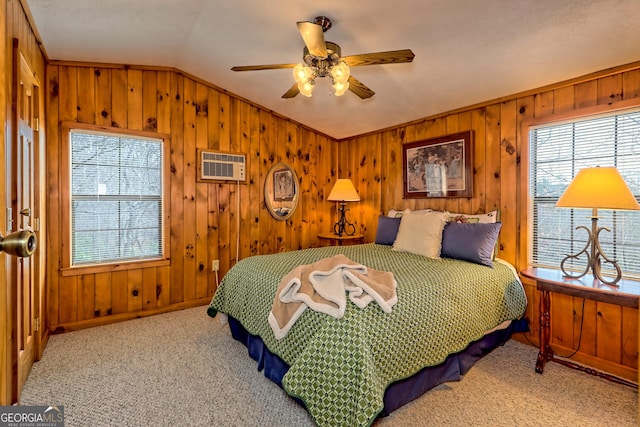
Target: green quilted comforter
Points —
{"points": [[340, 368]]}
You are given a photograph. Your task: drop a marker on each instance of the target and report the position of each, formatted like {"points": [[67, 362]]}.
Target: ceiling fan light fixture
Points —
{"points": [[340, 88], [302, 73], [306, 88], [340, 72], [324, 59]]}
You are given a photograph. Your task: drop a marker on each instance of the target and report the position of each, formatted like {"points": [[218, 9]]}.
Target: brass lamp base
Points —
{"points": [[594, 254]]}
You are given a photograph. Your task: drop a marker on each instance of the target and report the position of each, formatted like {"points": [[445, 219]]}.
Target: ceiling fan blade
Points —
{"points": [[389, 57], [313, 37], [262, 67], [293, 91], [359, 89]]}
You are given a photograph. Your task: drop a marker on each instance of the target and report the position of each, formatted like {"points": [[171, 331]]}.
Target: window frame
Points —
{"points": [[66, 268], [525, 197]]}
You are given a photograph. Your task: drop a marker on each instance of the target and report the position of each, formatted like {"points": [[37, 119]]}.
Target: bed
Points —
{"points": [[349, 371]]}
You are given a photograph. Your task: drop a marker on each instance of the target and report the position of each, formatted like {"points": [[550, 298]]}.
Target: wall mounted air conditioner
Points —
{"points": [[221, 166]]}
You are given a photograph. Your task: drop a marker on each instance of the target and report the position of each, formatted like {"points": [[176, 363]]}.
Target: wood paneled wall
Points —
{"points": [[207, 218], [207, 221], [374, 162]]}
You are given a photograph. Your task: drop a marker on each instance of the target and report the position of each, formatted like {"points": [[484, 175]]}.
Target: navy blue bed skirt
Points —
{"points": [[400, 392]]}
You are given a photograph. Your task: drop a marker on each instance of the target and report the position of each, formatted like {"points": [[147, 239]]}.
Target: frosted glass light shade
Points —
{"points": [[340, 88], [302, 73], [343, 191], [306, 88], [599, 187], [340, 72]]}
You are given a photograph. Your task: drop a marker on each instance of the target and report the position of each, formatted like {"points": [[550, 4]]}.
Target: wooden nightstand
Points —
{"points": [[344, 240], [548, 281]]}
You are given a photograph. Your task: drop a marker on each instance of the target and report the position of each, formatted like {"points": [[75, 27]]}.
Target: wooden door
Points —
{"points": [[26, 292]]}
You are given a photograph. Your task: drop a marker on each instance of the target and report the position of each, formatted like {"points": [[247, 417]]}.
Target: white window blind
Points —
{"points": [[116, 198], [557, 152]]}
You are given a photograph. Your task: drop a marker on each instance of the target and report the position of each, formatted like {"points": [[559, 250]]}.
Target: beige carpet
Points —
{"points": [[184, 369]]}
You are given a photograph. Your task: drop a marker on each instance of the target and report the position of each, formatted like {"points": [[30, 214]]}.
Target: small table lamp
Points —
{"points": [[343, 191], [597, 188]]}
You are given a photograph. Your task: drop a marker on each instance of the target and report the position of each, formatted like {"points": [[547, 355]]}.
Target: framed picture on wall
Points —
{"points": [[283, 185], [438, 167]]}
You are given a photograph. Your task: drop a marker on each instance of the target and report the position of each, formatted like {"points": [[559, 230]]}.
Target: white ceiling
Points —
{"points": [[466, 51]]}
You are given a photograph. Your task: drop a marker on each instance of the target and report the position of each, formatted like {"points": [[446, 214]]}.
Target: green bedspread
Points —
{"points": [[340, 368]]}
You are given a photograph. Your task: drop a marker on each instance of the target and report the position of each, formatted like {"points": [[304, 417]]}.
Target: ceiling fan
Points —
{"points": [[323, 59]]}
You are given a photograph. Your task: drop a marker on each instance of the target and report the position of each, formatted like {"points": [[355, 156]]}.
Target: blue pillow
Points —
{"points": [[387, 230], [470, 242]]}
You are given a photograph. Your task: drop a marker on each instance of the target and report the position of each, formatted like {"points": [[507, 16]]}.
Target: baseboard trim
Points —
{"points": [[120, 317]]}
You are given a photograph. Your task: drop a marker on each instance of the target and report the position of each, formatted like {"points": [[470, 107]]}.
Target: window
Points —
{"points": [[557, 152], [116, 197]]}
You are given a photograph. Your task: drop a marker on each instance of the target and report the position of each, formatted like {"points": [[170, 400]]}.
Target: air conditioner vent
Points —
{"points": [[222, 166]]}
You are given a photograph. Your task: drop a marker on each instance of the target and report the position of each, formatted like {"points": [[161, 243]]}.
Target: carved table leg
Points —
{"points": [[545, 352]]}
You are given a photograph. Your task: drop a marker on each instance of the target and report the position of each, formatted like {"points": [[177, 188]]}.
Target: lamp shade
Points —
{"points": [[340, 88], [599, 187], [340, 73], [343, 191], [306, 88], [302, 73]]}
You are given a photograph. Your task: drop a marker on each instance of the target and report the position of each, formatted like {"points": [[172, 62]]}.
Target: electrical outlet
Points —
{"points": [[215, 265]]}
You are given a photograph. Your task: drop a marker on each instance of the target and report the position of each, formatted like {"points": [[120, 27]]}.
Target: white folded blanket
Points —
{"points": [[321, 286]]}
